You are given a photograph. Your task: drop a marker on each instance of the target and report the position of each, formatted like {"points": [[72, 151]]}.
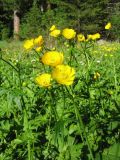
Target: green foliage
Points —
{"points": [[115, 19], [5, 33], [60, 123], [85, 16], [31, 23]]}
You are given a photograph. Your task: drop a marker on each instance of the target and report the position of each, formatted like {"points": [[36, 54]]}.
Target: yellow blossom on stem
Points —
{"points": [[93, 36], [53, 27], [96, 75], [64, 74], [28, 44], [55, 33], [108, 26], [52, 58], [38, 41], [43, 80], [81, 37], [69, 33], [38, 49]]}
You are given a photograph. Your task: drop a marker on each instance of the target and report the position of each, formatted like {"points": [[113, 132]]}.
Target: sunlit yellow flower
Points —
{"points": [[52, 58], [28, 44], [68, 33], [53, 27], [96, 75], [81, 37], [38, 41], [93, 36], [96, 36], [55, 33], [43, 80], [108, 26], [38, 49], [64, 74]]}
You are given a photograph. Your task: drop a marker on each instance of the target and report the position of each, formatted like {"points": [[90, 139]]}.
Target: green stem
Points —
{"points": [[36, 53], [115, 77], [53, 108], [22, 102], [81, 125], [29, 150], [9, 64]]}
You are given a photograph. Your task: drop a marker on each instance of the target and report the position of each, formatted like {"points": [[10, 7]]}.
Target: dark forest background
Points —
{"points": [[22, 19]]}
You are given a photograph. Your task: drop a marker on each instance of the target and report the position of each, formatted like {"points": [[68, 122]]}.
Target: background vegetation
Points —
{"points": [[37, 16], [78, 122]]}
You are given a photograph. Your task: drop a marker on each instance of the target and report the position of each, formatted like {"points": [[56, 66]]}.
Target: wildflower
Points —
{"points": [[53, 27], [52, 58], [93, 36], [69, 33], [64, 74], [96, 75], [43, 80], [38, 41], [28, 44], [38, 49], [108, 26], [55, 33], [81, 37]]}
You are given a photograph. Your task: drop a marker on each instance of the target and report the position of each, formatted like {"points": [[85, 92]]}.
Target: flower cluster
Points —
{"points": [[34, 43], [93, 36], [61, 73], [71, 34]]}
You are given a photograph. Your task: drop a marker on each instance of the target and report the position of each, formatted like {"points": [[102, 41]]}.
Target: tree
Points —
{"points": [[15, 9]]}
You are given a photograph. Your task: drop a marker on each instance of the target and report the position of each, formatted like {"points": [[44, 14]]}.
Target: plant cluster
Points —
{"points": [[60, 102]]}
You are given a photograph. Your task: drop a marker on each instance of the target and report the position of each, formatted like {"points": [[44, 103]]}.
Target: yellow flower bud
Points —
{"points": [[53, 27], [108, 26]]}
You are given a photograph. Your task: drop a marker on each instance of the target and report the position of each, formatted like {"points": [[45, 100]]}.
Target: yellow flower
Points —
{"points": [[96, 36], [38, 41], [69, 33], [53, 27], [38, 49], [81, 37], [43, 80], [52, 58], [108, 26], [96, 75], [64, 74], [93, 36], [55, 33], [28, 44]]}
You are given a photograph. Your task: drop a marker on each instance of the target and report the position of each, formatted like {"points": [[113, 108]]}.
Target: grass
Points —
{"points": [[80, 121]]}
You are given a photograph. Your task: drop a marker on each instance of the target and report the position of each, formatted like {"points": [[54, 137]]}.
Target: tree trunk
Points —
{"points": [[16, 24], [48, 5]]}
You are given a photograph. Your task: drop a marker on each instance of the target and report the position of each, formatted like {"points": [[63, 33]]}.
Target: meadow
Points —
{"points": [[76, 117]]}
